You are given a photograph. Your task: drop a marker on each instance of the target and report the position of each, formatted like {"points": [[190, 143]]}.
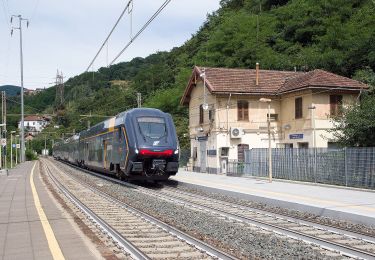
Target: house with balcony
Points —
{"points": [[226, 115]]}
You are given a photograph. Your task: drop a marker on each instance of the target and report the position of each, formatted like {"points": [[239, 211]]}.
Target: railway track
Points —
{"points": [[137, 233], [338, 240], [346, 242]]}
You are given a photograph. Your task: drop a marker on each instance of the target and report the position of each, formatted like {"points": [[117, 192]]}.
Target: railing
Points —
{"points": [[352, 167], [236, 168]]}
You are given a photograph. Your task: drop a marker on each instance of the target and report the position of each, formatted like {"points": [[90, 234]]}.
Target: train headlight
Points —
{"points": [[136, 151], [176, 151]]}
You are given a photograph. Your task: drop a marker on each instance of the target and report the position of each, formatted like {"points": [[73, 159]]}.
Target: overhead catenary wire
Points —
{"points": [[110, 33], [141, 30], [6, 14]]}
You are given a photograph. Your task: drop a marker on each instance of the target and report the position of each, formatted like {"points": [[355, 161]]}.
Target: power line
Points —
{"points": [[110, 33], [142, 29], [19, 103], [35, 9]]}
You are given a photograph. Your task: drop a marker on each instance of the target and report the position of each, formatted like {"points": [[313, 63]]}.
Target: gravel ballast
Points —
{"points": [[241, 240], [356, 228]]}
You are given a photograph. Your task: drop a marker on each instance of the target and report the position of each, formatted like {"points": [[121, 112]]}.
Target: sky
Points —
{"points": [[65, 35]]}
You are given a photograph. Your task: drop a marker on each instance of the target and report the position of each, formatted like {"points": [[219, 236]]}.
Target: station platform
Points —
{"points": [[354, 205], [33, 225]]}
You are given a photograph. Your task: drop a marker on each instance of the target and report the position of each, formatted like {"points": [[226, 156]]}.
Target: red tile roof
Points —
{"points": [[33, 118], [320, 78], [271, 82]]}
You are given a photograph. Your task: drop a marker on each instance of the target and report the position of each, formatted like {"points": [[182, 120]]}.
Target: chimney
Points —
{"points": [[257, 74]]}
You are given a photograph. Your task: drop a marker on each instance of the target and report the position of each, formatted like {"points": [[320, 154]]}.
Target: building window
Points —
{"points": [[211, 115], [243, 110], [241, 151], [273, 117], [335, 102], [224, 151], [298, 108], [303, 145], [201, 114], [195, 153]]}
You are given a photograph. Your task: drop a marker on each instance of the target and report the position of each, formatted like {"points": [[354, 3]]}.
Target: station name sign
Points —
{"points": [[296, 136], [202, 138]]}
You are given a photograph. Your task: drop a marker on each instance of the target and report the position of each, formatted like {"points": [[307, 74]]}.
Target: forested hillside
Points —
{"points": [[334, 35], [11, 90]]}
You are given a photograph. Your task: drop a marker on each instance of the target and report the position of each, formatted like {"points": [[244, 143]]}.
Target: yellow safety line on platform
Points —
{"points": [[51, 239], [274, 194]]}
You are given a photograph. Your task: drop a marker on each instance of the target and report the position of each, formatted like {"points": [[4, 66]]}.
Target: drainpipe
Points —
{"points": [[228, 132], [228, 103]]}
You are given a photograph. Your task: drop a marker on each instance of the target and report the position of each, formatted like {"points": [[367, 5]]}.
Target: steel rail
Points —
{"points": [[330, 245], [332, 228], [329, 228], [343, 249], [182, 235], [122, 242]]}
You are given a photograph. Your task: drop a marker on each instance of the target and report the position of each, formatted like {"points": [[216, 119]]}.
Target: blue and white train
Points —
{"points": [[139, 144]]}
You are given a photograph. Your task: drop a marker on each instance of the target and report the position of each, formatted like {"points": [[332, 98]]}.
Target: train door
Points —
{"points": [[105, 158], [86, 152], [124, 148]]}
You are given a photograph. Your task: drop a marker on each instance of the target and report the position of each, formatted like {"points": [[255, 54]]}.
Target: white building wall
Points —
{"points": [[38, 125]]}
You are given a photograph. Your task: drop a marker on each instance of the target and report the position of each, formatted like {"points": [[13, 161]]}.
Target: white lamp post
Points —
{"points": [[312, 108], [268, 101], [11, 148]]}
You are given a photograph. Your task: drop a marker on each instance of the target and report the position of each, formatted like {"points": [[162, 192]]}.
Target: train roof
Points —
{"points": [[140, 111], [68, 140], [120, 119]]}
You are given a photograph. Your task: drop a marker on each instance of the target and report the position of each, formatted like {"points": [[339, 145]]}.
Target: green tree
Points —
{"points": [[356, 127]]}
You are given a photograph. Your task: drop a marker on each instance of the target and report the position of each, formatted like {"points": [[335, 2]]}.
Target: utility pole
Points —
{"points": [[4, 132], [139, 99], [1, 128], [20, 19], [268, 101], [59, 99]]}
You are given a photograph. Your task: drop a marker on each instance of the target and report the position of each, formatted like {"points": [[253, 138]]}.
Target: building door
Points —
{"points": [[303, 145], [203, 156], [223, 165], [241, 152]]}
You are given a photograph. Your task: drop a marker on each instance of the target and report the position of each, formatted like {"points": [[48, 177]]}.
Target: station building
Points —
{"points": [[228, 111]]}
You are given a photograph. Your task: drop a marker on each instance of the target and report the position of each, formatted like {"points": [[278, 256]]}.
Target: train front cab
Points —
{"points": [[155, 152]]}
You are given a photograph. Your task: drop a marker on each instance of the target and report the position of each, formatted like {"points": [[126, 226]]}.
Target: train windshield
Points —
{"points": [[152, 127]]}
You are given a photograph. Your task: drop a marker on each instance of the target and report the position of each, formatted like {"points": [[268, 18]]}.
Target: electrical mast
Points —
{"points": [[59, 100]]}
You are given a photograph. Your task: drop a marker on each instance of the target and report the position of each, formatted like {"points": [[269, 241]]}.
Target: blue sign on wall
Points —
{"points": [[202, 138], [296, 136]]}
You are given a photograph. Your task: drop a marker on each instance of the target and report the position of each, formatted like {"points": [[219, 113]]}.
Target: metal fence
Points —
{"points": [[352, 167]]}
